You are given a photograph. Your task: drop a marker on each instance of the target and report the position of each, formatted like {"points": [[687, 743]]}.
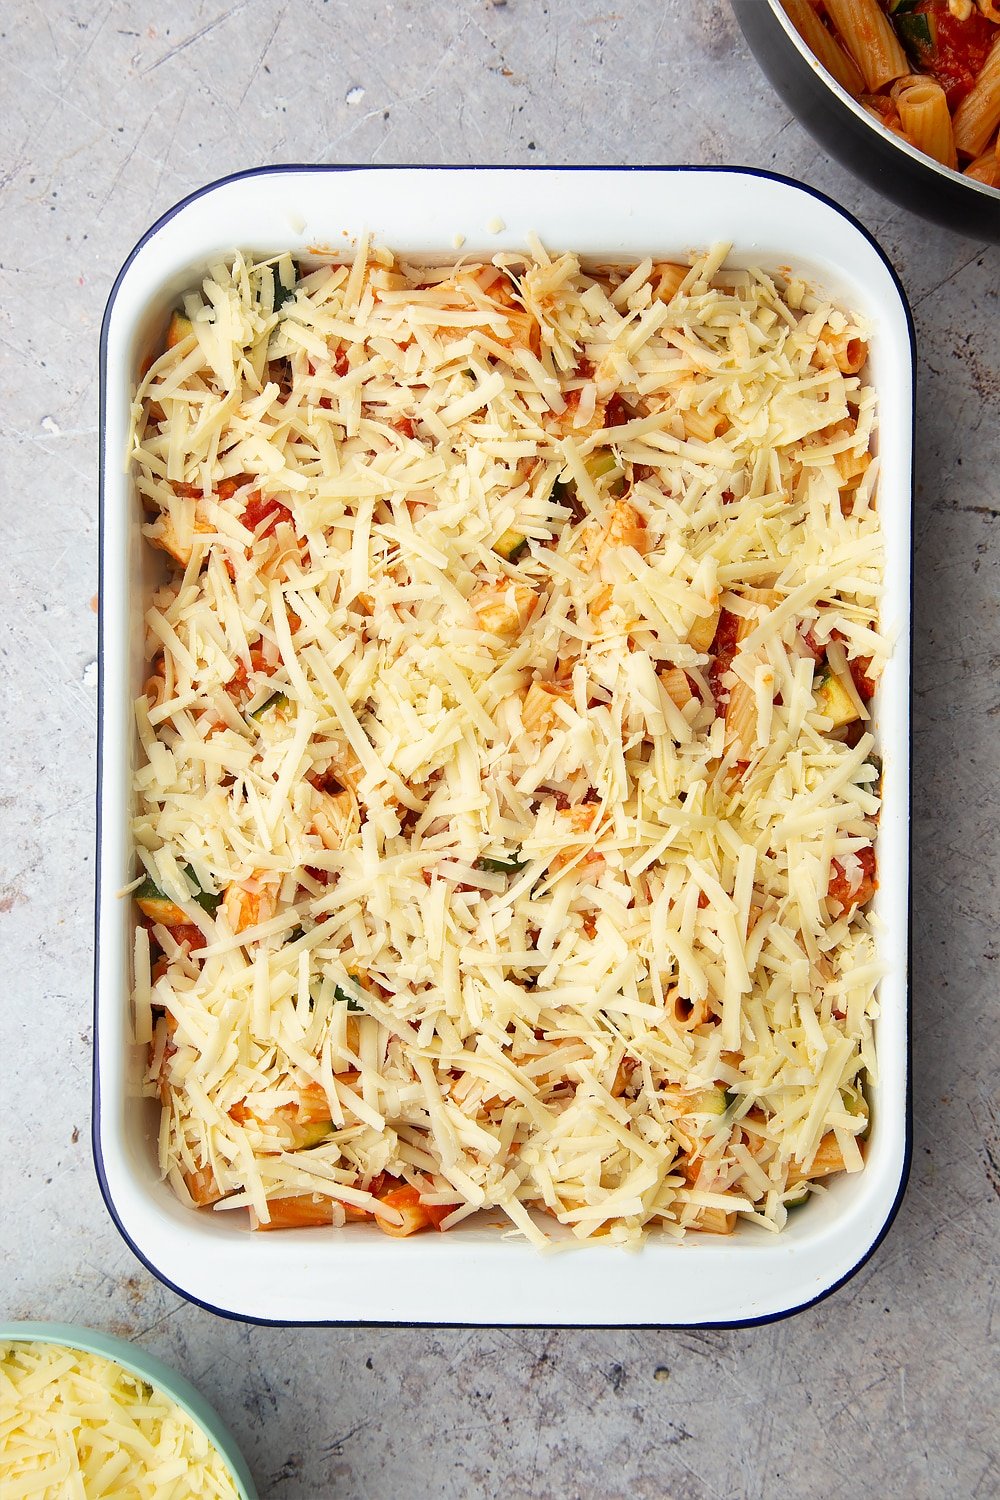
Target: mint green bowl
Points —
{"points": [[151, 1369]]}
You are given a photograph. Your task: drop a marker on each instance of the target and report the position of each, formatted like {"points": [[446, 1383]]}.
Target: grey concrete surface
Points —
{"points": [[111, 112]]}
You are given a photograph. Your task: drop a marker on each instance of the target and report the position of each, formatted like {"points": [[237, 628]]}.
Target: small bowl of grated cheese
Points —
{"points": [[84, 1416]]}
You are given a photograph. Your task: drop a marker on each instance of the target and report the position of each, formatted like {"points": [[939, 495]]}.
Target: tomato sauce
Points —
{"points": [[617, 412], [258, 509], [227, 489], [840, 889], [816, 649], [722, 651], [190, 933], [960, 49], [864, 684], [239, 683]]}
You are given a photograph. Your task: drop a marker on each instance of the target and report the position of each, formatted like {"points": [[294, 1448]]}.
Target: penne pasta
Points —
{"points": [[667, 278], [929, 73], [985, 168], [978, 115], [824, 46], [923, 114], [703, 426], [702, 632], [870, 39], [676, 686], [846, 351], [741, 719], [741, 710], [883, 109]]}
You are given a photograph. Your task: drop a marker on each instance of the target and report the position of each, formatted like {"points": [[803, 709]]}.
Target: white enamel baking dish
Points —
{"points": [[475, 1275]]}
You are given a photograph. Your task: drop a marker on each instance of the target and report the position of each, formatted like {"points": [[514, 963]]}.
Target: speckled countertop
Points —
{"points": [[887, 1387]]}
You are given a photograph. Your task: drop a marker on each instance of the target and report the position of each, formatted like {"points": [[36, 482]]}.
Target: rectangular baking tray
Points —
{"points": [[475, 1275]]}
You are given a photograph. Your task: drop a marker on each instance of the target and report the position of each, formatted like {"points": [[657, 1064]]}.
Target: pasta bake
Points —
{"points": [[508, 797]]}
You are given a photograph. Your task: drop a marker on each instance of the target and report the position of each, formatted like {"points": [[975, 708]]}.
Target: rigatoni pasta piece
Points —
{"points": [[538, 708], [824, 46], [406, 1216], [703, 628], [201, 1184], [713, 1221], [741, 710], [828, 1159], [667, 276], [503, 610], [703, 426], [868, 35], [923, 114], [741, 719], [685, 1016], [883, 109], [978, 115], [985, 168], [301, 1211], [676, 686], [848, 351]]}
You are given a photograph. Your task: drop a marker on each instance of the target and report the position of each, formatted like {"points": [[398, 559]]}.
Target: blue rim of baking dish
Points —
{"points": [[288, 168], [155, 1372]]}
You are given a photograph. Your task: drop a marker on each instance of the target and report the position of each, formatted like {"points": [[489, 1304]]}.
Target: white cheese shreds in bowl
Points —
{"points": [[508, 797], [76, 1424]]}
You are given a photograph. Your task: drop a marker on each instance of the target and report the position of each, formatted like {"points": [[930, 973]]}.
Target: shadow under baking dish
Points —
{"points": [[474, 1275]]}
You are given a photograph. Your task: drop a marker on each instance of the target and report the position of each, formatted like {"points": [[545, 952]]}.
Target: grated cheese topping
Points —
{"points": [[77, 1426], [506, 803]]}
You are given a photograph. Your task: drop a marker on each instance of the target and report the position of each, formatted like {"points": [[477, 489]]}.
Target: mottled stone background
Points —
{"points": [[109, 116]]}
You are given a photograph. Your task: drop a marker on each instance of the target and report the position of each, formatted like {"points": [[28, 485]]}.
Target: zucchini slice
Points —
{"points": [[711, 1101], [835, 702], [511, 546], [178, 329], [207, 900], [283, 293], [917, 30], [855, 1103], [311, 1133], [158, 907], [276, 701], [597, 465], [492, 865], [339, 993]]}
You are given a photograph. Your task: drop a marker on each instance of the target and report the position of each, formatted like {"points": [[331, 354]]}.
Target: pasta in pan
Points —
{"points": [[929, 70], [507, 802], [869, 37], [924, 117], [978, 116]]}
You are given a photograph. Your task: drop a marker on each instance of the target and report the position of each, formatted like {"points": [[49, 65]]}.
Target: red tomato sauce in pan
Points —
{"points": [[961, 49]]}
